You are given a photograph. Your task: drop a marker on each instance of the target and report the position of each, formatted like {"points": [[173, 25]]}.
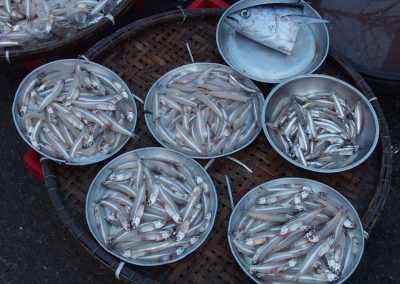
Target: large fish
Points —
{"points": [[273, 25]]}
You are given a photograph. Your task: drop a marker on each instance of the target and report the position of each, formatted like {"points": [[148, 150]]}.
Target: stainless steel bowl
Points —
{"points": [[196, 67], [50, 67], [317, 187], [263, 64], [96, 188], [301, 85]]}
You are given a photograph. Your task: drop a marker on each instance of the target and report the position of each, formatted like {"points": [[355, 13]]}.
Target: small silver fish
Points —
{"points": [[154, 230], [73, 119], [204, 115], [25, 23], [328, 136], [312, 246]]}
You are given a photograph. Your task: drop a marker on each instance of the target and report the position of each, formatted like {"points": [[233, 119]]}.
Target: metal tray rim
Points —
{"points": [[183, 255], [266, 80], [86, 161], [297, 179], [318, 170], [194, 155]]}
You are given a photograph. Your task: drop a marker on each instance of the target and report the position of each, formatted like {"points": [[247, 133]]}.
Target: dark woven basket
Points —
{"points": [[143, 51], [78, 42]]}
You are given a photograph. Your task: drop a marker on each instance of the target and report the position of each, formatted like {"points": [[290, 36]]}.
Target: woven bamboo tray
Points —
{"points": [[78, 42], [140, 53]]}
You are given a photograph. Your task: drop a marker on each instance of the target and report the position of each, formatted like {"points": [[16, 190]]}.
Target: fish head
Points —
{"points": [[180, 250], [180, 236], [293, 262], [331, 277], [349, 224], [194, 239], [253, 22], [125, 253], [199, 180]]}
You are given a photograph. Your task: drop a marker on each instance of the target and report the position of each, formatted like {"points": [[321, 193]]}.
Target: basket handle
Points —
{"points": [[32, 163], [119, 268]]}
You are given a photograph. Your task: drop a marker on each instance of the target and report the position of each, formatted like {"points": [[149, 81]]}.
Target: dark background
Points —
{"points": [[35, 247]]}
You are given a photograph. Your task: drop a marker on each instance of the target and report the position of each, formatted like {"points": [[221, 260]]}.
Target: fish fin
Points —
{"points": [[306, 20]]}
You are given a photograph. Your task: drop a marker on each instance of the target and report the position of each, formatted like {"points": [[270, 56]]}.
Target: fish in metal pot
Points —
{"points": [[273, 25]]}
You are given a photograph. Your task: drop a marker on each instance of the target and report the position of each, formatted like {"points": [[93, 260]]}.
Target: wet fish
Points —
{"points": [[30, 22], [205, 115], [76, 125], [310, 247], [319, 130], [143, 201], [273, 25]]}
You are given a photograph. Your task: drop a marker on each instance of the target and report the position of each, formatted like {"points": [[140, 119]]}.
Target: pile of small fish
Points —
{"points": [[319, 129], [26, 22], [209, 112], [74, 110], [273, 25], [291, 234], [152, 209]]}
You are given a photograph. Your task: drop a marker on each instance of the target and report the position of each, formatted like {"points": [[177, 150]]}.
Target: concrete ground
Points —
{"points": [[35, 247]]}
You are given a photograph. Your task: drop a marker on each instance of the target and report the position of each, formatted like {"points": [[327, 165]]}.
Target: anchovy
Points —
{"points": [[205, 115], [152, 205], [29, 23], [279, 249], [319, 129], [75, 120]]}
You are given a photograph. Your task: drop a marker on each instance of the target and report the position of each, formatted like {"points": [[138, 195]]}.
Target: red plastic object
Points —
{"points": [[35, 63], [139, 4], [32, 64], [208, 3], [32, 163]]}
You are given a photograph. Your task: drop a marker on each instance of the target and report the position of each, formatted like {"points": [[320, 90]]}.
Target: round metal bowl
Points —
{"points": [[251, 196], [264, 64], [50, 67], [196, 67], [96, 188], [301, 85]]}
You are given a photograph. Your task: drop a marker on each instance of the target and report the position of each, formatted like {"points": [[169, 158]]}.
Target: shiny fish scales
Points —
{"points": [[74, 132], [145, 238], [319, 129], [28, 23], [207, 120], [309, 247]]}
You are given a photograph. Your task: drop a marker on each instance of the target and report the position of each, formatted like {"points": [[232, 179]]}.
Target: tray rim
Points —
{"points": [[294, 179], [204, 235], [228, 60], [314, 169], [369, 218], [194, 155], [88, 161]]}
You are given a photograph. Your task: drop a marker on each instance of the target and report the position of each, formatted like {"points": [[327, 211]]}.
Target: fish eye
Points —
{"points": [[245, 14]]}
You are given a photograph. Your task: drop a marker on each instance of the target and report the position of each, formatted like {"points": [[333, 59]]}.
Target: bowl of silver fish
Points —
{"points": [[75, 112], [27, 24], [204, 110], [151, 206], [296, 230], [320, 123], [270, 41]]}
